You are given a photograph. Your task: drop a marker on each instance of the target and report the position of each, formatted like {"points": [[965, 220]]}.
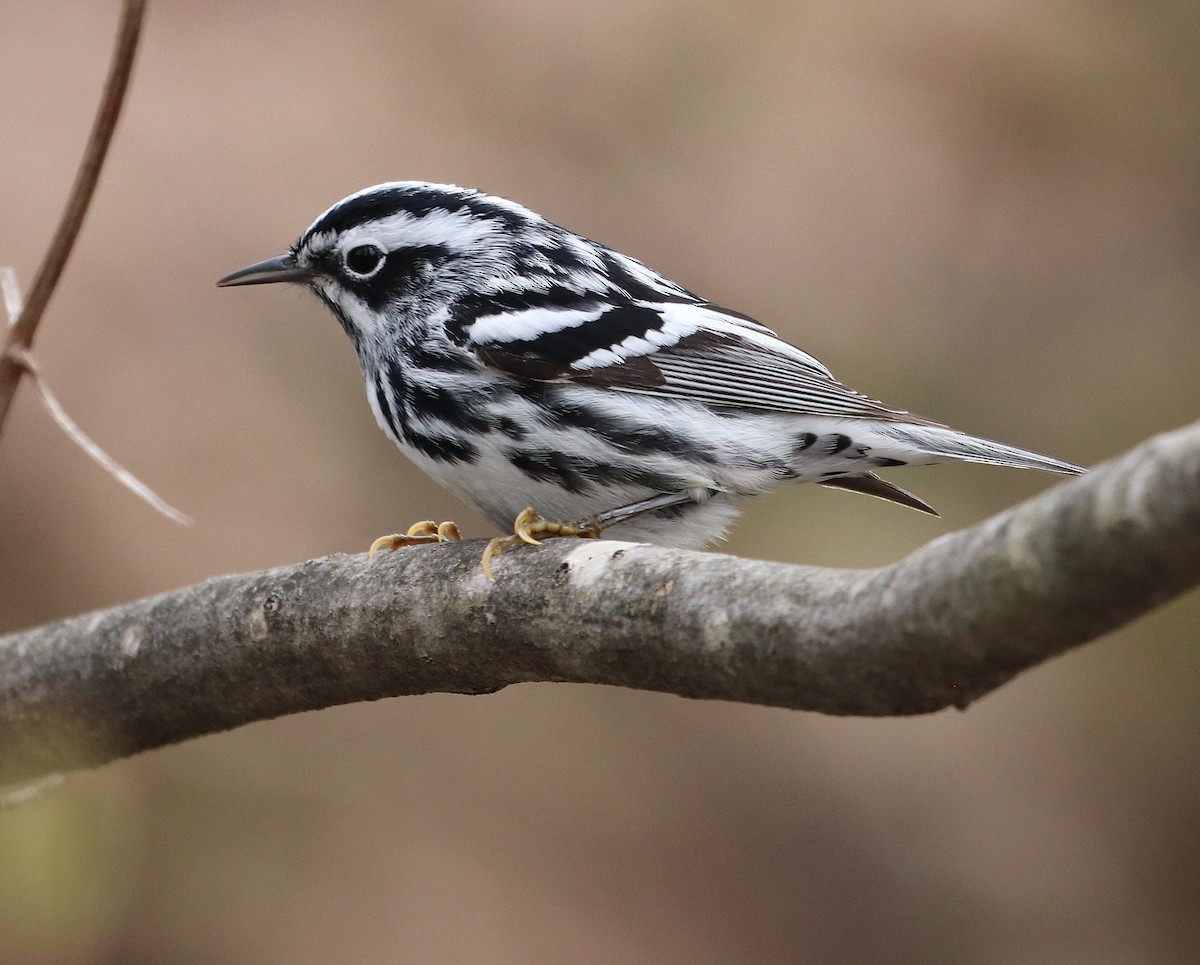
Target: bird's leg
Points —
{"points": [[623, 514], [531, 527], [418, 534]]}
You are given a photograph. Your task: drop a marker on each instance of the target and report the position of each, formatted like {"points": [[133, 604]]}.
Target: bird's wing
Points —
{"points": [[686, 350]]}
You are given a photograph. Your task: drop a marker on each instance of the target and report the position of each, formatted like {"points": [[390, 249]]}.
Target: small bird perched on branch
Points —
{"points": [[522, 365]]}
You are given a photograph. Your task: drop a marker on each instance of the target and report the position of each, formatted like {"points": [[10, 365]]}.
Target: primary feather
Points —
{"points": [[521, 364]]}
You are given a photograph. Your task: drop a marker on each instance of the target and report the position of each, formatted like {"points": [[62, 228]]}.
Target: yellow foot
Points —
{"points": [[531, 527], [418, 533]]}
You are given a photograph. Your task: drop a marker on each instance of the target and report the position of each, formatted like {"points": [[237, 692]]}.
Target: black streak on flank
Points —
{"points": [[578, 474], [546, 465], [438, 402], [642, 440], [463, 410], [805, 440], [440, 448], [838, 442]]}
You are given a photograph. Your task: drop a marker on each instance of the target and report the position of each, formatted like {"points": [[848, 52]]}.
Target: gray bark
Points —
{"points": [[949, 623]]}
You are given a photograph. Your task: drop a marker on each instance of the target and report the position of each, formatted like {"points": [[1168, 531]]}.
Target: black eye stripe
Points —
{"points": [[395, 274]]}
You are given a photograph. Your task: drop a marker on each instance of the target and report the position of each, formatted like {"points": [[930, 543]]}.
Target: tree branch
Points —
{"points": [[19, 335], [944, 626]]}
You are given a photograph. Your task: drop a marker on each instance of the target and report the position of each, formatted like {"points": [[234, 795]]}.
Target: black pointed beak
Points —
{"points": [[281, 268]]}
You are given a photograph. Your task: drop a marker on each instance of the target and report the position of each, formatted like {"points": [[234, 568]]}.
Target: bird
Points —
{"points": [[561, 388]]}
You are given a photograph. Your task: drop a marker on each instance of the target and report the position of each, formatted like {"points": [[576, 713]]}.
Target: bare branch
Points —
{"points": [[942, 627], [20, 334]]}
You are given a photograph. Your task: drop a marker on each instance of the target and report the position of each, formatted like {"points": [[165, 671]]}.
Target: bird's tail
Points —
{"points": [[941, 444]]}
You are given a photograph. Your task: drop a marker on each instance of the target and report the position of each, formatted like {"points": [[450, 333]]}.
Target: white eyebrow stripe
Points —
{"points": [[459, 231]]}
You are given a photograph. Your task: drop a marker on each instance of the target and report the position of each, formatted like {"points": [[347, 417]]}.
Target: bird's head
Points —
{"points": [[406, 249]]}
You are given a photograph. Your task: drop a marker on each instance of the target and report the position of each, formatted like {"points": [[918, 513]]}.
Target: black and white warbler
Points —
{"points": [[522, 365]]}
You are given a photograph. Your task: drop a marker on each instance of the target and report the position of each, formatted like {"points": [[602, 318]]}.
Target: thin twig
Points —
{"points": [[19, 335], [81, 439], [30, 792], [11, 290]]}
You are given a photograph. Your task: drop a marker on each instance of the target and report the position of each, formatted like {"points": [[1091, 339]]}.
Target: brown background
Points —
{"points": [[984, 211]]}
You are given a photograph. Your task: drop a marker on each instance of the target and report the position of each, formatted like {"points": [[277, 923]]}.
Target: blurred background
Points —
{"points": [[986, 211]]}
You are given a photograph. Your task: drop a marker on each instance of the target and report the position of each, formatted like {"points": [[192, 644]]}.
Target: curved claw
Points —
{"points": [[527, 527], [393, 542], [426, 531], [527, 522], [493, 549]]}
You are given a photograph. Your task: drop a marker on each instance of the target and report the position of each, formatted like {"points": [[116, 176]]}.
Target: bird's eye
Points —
{"points": [[363, 260]]}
